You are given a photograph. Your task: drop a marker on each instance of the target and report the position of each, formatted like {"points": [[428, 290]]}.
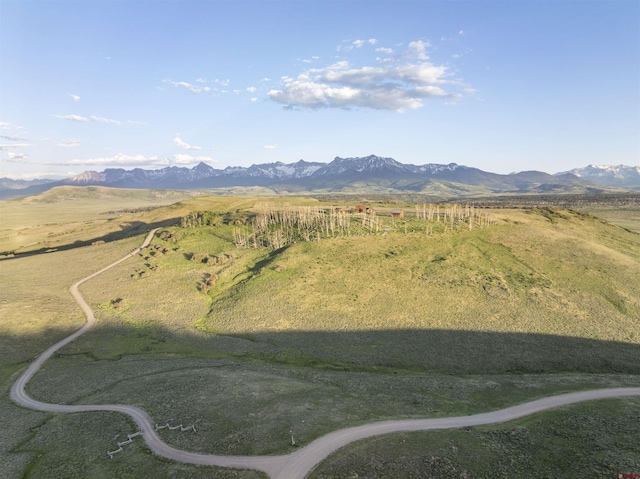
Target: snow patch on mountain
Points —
{"points": [[599, 171]]}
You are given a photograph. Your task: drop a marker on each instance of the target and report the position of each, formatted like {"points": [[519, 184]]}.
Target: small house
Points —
{"points": [[398, 213]]}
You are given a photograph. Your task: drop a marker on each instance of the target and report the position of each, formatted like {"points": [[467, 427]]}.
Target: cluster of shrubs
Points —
{"points": [[208, 281], [158, 250], [154, 251], [209, 259], [200, 218], [210, 218], [168, 236]]}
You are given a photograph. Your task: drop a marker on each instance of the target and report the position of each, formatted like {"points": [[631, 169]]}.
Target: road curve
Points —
{"points": [[300, 463]]}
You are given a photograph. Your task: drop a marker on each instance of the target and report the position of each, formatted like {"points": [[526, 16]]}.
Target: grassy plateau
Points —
{"points": [[380, 318]]}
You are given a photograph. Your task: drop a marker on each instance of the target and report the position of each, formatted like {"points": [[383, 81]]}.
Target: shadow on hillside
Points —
{"points": [[127, 230], [387, 351]]}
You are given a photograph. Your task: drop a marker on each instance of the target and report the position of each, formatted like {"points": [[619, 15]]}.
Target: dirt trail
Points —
{"points": [[298, 464]]}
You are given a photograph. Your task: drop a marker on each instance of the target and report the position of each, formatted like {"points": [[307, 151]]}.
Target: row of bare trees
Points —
{"points": [[455, 216], [277, 226]]}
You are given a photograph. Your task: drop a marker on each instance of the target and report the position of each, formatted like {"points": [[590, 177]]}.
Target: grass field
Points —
{"points": [[322, 335], [67, 215]]}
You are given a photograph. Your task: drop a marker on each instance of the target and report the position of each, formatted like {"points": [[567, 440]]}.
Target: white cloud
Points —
{"points": [[402, 83], [418, 49], [40, 175], [347, 47], [178, 141], [84, 119], [70, 143], [201, 80], [461, 32], [12, 138], [135, 122], [251, 89], [237, 92], [5, 125], [72, 118], [105, 120], [74, 97], [16, 157], [182, 159], [7, 146], [254, 99], [387, 51], [270, 147], [119, 160], [188, 86]]}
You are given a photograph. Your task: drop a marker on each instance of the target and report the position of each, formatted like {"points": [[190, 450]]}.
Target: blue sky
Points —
{"points": [[502, 86]]}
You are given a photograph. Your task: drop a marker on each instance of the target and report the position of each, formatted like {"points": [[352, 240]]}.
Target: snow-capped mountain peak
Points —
{"points": [[610, 175]]}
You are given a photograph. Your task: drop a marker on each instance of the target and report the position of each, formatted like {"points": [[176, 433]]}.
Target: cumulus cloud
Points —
{"points": [[418, 49], [348, 46], [310, 60], [254, 99], [70, 143], [402, 83], [251, 89], [270, 147], [75, 98], [178, 141], [387, 51]]}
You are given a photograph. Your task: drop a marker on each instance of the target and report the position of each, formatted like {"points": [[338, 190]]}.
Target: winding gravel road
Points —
{"points": [[298, 464]]}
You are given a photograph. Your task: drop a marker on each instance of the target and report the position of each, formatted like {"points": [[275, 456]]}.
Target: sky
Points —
{"points": [[503, 86]]}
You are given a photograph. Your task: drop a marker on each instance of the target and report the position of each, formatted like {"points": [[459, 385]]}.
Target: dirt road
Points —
{"points": [[298, 464]]}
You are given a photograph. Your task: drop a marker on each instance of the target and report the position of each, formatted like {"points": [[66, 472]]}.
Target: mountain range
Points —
{"points": [[347, 175]]}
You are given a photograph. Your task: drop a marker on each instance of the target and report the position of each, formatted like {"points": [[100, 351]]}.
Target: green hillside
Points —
{"points": [[399, 299], [388, 318]]}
